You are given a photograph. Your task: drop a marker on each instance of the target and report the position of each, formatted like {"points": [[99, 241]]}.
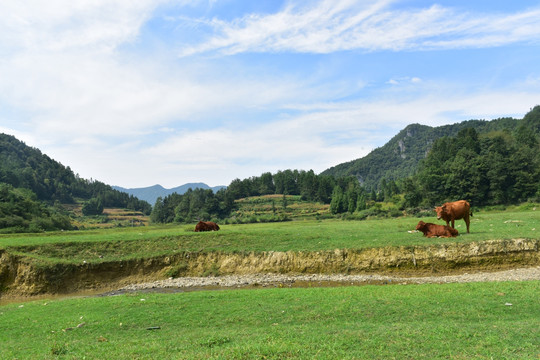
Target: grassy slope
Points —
{"points": [[308, 235], [452, 321], [266, 207], [111, 217]]}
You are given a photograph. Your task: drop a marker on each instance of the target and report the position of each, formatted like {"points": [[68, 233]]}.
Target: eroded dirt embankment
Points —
{"points": [[22, 276]]}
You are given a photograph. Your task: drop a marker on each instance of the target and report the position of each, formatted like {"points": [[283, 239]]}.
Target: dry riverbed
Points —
{"points": [[288, 280], [491, 260]]}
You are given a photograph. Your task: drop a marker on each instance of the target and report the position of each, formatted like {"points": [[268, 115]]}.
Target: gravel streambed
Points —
{"points": [[314, 280]]}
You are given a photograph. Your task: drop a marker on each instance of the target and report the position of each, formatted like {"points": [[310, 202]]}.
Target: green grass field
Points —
{"points": [[302, 235], [452, 321]]}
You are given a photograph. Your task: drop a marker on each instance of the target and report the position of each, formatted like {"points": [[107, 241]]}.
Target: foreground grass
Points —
{"points": [[307, 235], [452, 321]]}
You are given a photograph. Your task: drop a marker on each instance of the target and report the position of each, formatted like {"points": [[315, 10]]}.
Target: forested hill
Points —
{"points": [[399, 158], [24, 167]]}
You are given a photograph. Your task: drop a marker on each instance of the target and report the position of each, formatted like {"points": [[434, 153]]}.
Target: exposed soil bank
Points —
{"points": [[21, 277]]}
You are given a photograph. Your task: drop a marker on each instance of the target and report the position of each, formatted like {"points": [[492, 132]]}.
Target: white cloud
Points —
{"points": [[60, 66], [79, 95], [404, 80], [328, 135], [330, 26], [58, 25], [321, 136]]}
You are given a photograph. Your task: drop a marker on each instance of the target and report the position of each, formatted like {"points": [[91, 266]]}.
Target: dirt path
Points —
{"points": [[280, 280]]}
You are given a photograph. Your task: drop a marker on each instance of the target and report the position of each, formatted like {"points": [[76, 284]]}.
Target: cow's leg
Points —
{"points": [[468, 222], [453, 221]]}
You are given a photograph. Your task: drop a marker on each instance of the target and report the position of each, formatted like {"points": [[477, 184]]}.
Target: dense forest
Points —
{"points": [[498, 167], [20, 210], [33, 185], [487, 163], [401, 156]]}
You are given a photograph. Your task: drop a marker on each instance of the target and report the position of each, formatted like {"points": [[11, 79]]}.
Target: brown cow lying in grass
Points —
{"points": [[452, 211], [206, 226], [432, 230]]}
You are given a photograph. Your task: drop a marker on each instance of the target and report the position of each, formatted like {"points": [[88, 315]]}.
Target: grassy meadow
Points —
{"points": [[451, 321], [435, 321], [100, 245]]}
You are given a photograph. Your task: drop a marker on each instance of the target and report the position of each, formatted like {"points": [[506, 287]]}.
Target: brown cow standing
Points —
{"points": [[456, 210], [432, 230], [206, 226]]}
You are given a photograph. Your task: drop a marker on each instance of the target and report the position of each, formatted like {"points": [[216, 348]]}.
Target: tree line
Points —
{"points": [[344, 195], [498, 167], [204, 204]]}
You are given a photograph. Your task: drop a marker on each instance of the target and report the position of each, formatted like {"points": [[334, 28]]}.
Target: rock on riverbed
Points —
{"points": [[230, 281]]}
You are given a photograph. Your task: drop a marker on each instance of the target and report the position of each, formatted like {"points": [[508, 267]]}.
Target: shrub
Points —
{"points": [[212, 271], [177, 270], [420, 212]]}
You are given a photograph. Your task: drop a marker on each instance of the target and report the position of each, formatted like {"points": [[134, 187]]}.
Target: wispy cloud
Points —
{"points": [[328, 134], [58, 25], [330, 26]]}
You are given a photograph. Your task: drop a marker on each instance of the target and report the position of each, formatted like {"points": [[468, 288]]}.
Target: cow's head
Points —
{"points": [[420, 225], [440, 210]]}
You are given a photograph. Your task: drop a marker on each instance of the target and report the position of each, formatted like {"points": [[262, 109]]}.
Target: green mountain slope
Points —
{"points": [[25, 167], [46, 182], [399, 157]]}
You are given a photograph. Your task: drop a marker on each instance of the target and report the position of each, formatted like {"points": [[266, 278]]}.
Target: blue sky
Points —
{"points": [[140, 93]]}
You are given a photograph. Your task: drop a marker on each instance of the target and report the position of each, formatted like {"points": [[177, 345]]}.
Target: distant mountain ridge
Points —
{"points": [[151, 193], [400, 157]]}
